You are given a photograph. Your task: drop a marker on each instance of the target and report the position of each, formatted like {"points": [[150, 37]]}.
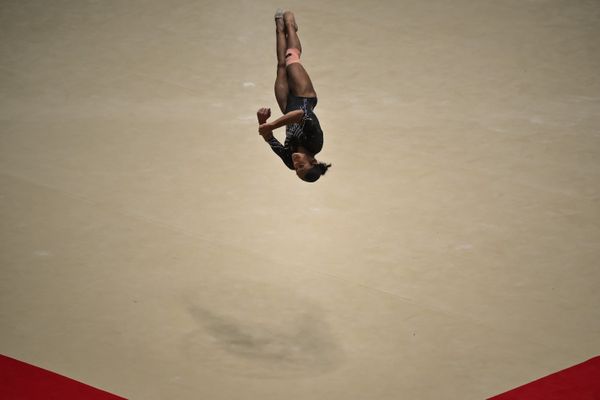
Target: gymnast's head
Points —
{"points": [[308, 168]]}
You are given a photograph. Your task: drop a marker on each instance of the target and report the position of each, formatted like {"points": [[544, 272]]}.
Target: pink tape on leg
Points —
{"points": [[292, 56]]}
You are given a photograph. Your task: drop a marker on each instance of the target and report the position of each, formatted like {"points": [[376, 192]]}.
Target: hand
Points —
{"points": [[266, 131], [263, 115]]}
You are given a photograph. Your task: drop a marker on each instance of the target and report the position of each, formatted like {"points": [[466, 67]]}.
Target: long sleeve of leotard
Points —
{"points": [[284, 153]]}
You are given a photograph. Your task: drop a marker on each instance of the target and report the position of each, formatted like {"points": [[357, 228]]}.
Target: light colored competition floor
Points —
{"points": [[153, 245]]}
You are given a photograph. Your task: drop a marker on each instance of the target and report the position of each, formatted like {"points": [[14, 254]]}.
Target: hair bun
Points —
{"points": [[323, 167]]}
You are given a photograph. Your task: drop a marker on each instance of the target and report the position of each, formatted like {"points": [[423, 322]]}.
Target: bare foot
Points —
{"points": [[279, 24], [290, 20]]}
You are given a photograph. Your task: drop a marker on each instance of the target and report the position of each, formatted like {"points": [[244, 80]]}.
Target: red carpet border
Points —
{"points": [[580, 382], [22, 381]]}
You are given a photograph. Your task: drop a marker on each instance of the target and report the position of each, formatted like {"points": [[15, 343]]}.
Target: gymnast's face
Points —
{"points": [[302, 163]]}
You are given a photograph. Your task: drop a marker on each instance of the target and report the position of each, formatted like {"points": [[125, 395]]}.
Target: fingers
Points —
{"points": [[263, 114]]}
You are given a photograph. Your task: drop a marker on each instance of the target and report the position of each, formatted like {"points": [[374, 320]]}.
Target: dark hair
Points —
{"points": [[315, 172]]}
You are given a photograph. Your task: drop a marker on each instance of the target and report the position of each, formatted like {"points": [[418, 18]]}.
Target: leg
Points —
{"points": [[281, 82], [298, 79]]}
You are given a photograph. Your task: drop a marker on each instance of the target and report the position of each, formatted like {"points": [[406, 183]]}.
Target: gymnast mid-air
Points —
{"points": [[297, 99]]}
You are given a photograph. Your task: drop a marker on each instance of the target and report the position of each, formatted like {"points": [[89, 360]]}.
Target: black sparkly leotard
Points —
{"points": [[307, 133]]}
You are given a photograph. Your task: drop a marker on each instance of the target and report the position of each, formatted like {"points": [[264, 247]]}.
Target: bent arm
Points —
{"points": [[282, 152], [293, 117]]}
